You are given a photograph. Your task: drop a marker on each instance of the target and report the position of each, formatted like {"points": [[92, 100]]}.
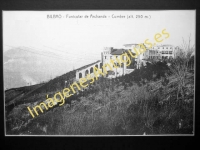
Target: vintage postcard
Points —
{"points": [[99, 73]]}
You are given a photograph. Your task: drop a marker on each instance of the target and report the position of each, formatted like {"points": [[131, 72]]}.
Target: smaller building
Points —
{"points": [[88, 69]]}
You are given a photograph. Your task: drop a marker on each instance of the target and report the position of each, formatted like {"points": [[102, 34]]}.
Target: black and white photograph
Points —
{"points": [[99, 72]]}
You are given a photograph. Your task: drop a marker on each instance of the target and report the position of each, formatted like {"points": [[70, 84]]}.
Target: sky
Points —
{"points": [[80, 41]]}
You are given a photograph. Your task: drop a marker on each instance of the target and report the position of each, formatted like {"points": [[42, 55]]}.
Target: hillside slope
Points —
{"points": [[141, 102]]}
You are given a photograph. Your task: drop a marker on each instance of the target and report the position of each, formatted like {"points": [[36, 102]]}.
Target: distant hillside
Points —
{"points": [[38, 92], [24, 66]]}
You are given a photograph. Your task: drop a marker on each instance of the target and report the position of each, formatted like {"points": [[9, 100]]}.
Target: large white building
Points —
{"points": [[163, 51], [156, 52]]}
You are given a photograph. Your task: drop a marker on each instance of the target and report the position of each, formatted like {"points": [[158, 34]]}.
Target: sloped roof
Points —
{"points": [[163, 45], [167, 45], [129, 44], [121, 51], [87, 65], [117, 51]]}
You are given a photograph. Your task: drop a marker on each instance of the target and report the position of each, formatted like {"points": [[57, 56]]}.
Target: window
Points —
{"points": [[166, 52], [91, 70], [105, 57], [80, 75], [101, 65], [170, 52], [86, 72], [117, 64]]}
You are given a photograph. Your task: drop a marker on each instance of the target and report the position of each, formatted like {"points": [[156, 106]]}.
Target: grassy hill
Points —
{"points": [[151, 100], [15, 92]]}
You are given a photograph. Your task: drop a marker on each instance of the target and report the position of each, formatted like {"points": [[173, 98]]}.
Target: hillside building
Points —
{"points": [[110, 54], [156, 52]]}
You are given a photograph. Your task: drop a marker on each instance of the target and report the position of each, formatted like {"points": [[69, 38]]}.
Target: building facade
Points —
{"points": [[139, 50], [82, 72], [110, 54], [156, 52], [162, 52]]}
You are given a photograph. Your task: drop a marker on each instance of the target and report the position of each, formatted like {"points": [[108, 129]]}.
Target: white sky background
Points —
{"points": [[82, 40]]}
